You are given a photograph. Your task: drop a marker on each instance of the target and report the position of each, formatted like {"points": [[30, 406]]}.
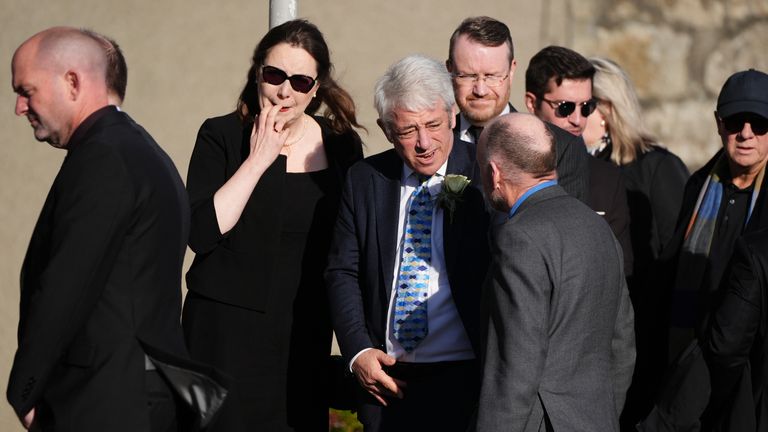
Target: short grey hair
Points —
{"points": [[414, 83]]}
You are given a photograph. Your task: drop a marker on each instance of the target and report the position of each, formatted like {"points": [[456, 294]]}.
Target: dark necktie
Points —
{"points": [[475, 131]]}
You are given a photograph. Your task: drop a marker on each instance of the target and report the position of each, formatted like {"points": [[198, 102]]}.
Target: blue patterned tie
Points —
{"points": [[413, 281]]}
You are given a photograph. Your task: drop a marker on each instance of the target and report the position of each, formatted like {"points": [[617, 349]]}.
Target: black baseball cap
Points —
{"points": [[745, 91]]}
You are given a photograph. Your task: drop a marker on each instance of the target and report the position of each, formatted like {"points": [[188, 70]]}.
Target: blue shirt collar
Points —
{"points": [[530, 192]]}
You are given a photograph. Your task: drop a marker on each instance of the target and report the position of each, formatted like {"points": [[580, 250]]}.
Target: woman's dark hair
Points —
{"points": [[340, 108]]}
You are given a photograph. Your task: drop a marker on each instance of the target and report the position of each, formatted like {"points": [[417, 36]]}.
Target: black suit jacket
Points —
{"points": [[737, 342], [362, 259], [608, 197], [596, 183], [572, 159], [101, 283]]}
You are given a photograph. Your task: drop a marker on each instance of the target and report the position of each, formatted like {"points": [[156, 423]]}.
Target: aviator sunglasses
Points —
{"points": [[565, 108], [275, 76], [735, 123]]}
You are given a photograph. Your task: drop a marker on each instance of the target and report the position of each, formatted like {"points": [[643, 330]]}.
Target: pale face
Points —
{"points": [[747, 149], [595, 129], [577, 91], [292, 61], [423, 139], [41, 96], [480, 102]]}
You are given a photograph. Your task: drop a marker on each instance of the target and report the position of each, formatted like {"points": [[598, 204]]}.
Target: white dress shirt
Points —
{"points": [[464, 125], [446, 339]]}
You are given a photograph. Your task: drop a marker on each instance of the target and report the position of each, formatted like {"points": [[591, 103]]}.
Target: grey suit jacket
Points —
{"points": [[559, 343]]}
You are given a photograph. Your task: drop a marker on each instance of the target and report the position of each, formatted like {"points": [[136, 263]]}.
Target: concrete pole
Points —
{"points": [[281, 11]]}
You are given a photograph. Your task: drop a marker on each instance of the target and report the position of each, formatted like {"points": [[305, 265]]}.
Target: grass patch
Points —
{"points": [[343, 421]]}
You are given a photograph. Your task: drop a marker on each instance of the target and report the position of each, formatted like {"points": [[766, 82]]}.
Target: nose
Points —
{"points": [[575, 118], [21, 105], [424, 141], [284, 90], [479, 88], [746, 131]]}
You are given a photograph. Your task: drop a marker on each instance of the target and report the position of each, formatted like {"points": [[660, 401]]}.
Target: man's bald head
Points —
{"points": [[520, 143], [59, 77], [117, 68], [60, 48], [515, 153]]}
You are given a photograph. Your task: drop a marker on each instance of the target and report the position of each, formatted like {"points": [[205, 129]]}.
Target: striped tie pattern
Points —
{"points": [[410, 325]]}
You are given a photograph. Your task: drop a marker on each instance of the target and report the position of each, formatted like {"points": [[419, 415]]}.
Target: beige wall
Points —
{"points": [[188, 59]]}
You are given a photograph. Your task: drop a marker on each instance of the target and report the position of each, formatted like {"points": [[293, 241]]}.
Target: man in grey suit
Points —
{"points": [[558, 352]]}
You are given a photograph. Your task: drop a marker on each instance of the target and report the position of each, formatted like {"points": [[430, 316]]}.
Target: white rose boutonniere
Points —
{"points": [[452, 192]]}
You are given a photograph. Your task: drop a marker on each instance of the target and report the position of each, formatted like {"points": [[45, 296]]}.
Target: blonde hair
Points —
{"points": [[621, 110]]}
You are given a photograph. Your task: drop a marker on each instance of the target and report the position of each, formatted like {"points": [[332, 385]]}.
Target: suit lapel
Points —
{"points": [[386, 195], [458, 163]]}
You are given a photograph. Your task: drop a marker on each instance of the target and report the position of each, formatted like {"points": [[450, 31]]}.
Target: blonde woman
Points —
{"points": [[654, 179]]}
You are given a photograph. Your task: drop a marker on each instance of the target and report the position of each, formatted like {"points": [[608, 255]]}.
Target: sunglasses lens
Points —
{"points": [[760, 126], [588, 108], [273, 75], [735, 123], [302, 83], [565, 109]]}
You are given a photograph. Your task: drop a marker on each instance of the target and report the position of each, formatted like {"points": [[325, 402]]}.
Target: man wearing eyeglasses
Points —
{"points": [[558, 90], [481, 60]]}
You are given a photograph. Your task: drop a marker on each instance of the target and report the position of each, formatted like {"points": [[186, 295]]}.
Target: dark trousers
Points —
{"points": [[161, 404], [438, 396]]}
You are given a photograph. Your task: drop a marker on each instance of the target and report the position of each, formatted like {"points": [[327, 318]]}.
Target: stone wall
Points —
{"points": [[678, 54]]}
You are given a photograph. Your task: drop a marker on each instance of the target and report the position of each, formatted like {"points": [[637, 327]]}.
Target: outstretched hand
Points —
{"points": [[368, 370]]}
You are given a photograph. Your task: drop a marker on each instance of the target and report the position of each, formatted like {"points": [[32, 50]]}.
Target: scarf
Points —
{"points": [[697, 243]]}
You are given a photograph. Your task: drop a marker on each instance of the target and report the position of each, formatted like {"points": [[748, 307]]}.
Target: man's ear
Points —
{"points": [[496, 178], [453, 113], [384, 129], [73, 83], [530, 102], [512, 67], [719, 124]]}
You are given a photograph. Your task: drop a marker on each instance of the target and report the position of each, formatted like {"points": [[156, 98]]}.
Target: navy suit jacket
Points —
{"points": [[362, 259]]}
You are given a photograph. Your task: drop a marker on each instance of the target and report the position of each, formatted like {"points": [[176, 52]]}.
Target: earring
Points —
{"points": [[602, 123]]}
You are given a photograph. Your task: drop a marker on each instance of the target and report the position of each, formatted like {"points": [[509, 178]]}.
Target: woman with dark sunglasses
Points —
{"points": [[264, 184], [654, 179]]}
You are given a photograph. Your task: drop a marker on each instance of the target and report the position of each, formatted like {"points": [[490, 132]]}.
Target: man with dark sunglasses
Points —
{"points": [[558, 85], [723, 201]]}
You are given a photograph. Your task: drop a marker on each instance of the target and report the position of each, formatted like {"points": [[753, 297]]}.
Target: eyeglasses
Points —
{"points": [[275, 76], [565, 108], [490, 80], [735, 123]]}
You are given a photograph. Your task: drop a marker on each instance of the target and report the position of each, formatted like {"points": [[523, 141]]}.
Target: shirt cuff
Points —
{"points": [[351, 362]]}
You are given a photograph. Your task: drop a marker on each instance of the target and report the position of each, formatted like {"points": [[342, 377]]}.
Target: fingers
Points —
{"points": [[371, 376], [388, 385], [264, 102]]}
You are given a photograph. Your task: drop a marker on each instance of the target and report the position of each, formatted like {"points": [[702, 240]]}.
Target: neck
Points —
{"points": [[296, 130], [516, 191], [744, 177]]}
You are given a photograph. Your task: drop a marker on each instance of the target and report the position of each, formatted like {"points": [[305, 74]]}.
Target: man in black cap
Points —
{"points": [[722, 200]]}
